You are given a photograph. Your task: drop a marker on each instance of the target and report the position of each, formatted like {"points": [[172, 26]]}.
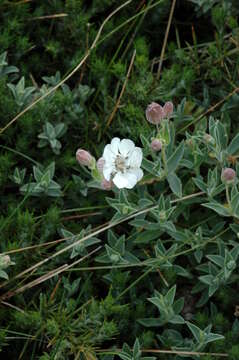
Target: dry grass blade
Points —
{"points": [[177, 352], [19, 2], [53, 89], [80, 216], [173, 352], [54, 242], [165, 39], [122, 91], [12, 306], [49, 243], [47, 276], [95, 233], [54, 16], [212, 108]]}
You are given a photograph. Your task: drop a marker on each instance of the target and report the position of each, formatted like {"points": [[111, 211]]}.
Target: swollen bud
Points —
{"points": [[208, 139], [190, 142], [106, 185], [5, 261], [84, 158], [168, 109], [156, 145], [154, 113], [100, 164], [228, 175]]}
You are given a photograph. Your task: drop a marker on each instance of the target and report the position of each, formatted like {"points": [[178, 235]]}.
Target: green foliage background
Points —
{"points": [[89, 308]]}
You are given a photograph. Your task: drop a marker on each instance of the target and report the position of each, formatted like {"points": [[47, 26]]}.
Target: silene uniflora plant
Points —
{"points": [[132, 252], [121, 161], [160, 158]]}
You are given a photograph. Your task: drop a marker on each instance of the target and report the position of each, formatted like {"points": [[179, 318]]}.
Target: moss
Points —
{"points": [[234, 352]]}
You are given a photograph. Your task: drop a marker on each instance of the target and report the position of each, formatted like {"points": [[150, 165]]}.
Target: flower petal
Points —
{"points": [[137, 172], [126, 146], [126, 180], [108, 155], [107, 171], [135, 158], [115, 145]]}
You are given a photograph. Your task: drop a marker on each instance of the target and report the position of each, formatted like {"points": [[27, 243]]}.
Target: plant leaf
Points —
{"points": [[175, 184], [175, 158]]}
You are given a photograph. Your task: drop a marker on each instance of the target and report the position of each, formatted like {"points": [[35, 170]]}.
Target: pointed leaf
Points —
{"points": [[196, 331], [150, 322], [37, 173], [171, 295], [213, 337], [177, 319], [220, 209], [234, 145], [216, 259], [175, 158], [200, 184], [175, 184], [136, 349]]}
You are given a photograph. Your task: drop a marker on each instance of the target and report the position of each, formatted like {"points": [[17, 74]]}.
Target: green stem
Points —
{"points": [[228, 197], [7, 220], [20, 154], [134, 283], [164, 158]]}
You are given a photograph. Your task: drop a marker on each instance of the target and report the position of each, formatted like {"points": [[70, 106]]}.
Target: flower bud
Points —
{"points": [[168, 109], [208, 139], [162, 215], [84, 157], [228, 175], [5, 261], [212, 155], [190, 143], [114, 258], [156, 145], [154, 113], [100, 164], [106, 185]]}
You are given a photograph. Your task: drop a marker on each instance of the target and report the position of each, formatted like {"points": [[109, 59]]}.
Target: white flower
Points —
{"points": [[122, 163]]}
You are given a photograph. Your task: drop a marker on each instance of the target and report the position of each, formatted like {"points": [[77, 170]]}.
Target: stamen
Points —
{"points": [[120, 163]]}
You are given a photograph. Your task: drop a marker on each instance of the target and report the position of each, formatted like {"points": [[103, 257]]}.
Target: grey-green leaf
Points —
{"points": [[234, 145], [175, 158], [220, 209], [175, 184]]}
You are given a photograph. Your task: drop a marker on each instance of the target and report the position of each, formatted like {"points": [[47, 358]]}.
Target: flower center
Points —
{"points": [[120, 163]]}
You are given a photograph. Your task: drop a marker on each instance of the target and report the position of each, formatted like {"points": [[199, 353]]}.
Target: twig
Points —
{"points": [[122, 91], [166, 38]]}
